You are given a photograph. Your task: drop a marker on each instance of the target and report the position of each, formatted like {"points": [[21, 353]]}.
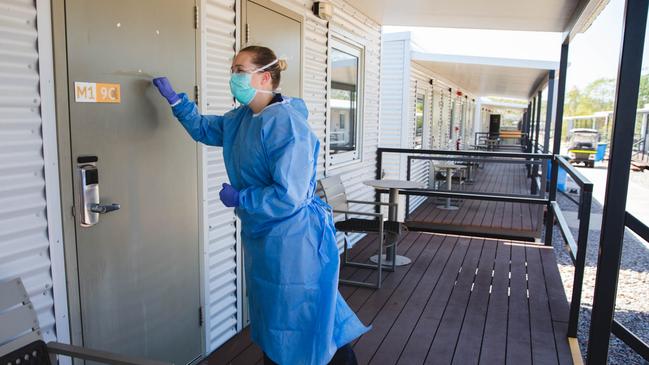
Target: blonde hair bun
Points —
{"points": [[282, 65]]}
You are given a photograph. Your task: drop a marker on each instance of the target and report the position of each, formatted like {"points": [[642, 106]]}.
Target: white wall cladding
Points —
{"points": [[221, 254], [420, 84], [24, 240]]}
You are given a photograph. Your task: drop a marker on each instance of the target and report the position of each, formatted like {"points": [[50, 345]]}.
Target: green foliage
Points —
{"points": [[598, 96]]}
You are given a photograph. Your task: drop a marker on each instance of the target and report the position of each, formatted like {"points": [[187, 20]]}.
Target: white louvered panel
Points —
{"points": [[392, 103], [24, 241], [221, 310]]}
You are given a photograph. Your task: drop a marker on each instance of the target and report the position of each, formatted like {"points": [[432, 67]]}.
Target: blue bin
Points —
{"points": [[601, 151], [561, 178]]}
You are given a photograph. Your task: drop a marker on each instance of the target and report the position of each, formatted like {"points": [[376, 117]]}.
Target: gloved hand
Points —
{"points": [[164, 86], [229, 196]]}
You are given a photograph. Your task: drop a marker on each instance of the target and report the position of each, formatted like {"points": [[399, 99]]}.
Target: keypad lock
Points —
{"points": [[89, 204]]}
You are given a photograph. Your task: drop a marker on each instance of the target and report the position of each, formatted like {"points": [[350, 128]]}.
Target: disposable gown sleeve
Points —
{"points": [[290, 158], [207, 129]]}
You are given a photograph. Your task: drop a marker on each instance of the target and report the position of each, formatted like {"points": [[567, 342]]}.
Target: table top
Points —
{"points": [[449, 166], [394, 184]]}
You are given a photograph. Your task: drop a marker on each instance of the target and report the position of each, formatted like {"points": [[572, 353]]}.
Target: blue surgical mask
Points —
{"points": [[240, 85]]}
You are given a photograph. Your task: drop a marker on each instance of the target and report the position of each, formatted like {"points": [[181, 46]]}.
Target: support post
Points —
{"points": [[546, 136], [556, 148], [617, 180]]}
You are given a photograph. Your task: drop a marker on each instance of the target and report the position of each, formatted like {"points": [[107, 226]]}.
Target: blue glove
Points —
{"points": [[164, 86], [229, 196]]}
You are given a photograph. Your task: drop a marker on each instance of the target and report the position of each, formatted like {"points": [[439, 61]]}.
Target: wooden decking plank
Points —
{"points": [[250, 355], [231, 349], [518, 330], [444, 343], [467, 350], [540, 319], [382, 310], [494, 338], [556, 293], [372, 297], [368, 275], [561, 340], [422, 337], [393, 343]]}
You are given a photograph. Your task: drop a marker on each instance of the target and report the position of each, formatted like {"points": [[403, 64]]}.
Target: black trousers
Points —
{"points": [[344, 356]]}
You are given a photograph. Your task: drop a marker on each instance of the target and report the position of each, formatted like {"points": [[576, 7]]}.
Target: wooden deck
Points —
{"points": [[462, 301], [485, 218]]}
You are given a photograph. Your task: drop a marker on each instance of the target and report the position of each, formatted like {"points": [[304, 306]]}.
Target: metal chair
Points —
{"points": [[333, 192], [21, 342]]}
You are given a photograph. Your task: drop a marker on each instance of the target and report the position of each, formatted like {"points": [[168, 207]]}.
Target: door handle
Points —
{"points": [[90, 205], [102, 208]]}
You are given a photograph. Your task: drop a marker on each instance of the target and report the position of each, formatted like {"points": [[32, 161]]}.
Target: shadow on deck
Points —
{"points": [[482, 218], [462, 301]]}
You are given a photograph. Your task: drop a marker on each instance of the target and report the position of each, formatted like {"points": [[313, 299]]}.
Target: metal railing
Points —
{"points": [[576, 247], [533, 159], [619, 330]]}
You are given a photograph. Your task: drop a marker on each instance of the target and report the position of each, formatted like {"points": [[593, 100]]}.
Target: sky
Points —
{"points": [[593, 54]]}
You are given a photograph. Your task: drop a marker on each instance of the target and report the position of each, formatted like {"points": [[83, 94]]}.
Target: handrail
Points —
{"points": [[577, 176], [636, 226], [576, 247], [545, 156]]}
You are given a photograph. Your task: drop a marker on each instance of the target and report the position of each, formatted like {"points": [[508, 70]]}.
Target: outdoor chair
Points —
{"points": [[333, 192], [21, 342]]}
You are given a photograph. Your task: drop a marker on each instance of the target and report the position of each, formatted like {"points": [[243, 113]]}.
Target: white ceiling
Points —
{"points": [[482, 76], [525, 15]]}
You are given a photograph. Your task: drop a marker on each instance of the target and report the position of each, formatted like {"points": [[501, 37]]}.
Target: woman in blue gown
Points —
{"points": [[297, 315]]}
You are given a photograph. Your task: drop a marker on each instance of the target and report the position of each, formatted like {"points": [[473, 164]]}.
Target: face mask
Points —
{"points": [[240, 85]]}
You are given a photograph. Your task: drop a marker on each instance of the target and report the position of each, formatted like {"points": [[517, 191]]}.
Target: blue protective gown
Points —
{"points": [[297, 315]]}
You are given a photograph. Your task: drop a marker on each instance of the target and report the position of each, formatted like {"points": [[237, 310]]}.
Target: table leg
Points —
{"points": [[449, 186], [392, 240]]}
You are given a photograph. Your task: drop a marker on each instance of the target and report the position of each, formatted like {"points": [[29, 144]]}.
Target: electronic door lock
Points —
{"points": [[89, 202]]}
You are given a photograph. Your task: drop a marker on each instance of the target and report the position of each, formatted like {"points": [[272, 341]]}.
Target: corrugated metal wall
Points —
{"points": [[420, 84], [24, 241], [221, 254]]}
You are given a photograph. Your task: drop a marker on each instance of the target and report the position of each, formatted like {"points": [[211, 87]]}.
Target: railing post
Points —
{"points": [[408, 173], [379, 175], [617, 180], [549, 216], [580, 260]]}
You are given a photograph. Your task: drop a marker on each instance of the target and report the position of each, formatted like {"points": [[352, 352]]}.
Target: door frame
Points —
{"points": [[66, 172], [273, 6]]}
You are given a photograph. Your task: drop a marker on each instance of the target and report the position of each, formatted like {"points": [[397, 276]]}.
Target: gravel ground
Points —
{"points": [[632, 307]]}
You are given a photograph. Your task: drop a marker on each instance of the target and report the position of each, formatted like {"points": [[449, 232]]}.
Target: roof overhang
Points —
{"points": [[523, 15], [486, 76]]}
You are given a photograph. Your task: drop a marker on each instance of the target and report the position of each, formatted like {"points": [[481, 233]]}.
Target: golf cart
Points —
{"points": [[582, 146]]}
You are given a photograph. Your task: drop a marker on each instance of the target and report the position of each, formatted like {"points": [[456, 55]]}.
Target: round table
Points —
{"points": [[393, 214], [449, 167]]}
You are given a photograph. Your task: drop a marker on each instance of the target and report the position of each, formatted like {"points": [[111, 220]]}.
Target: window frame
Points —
{"points": [[344, 44]]}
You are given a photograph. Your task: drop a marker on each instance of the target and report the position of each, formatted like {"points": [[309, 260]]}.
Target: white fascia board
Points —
{"points": [[486, 61]]}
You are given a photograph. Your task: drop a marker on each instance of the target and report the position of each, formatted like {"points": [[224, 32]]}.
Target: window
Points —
{"points": [[345, 102], [419, 120]]}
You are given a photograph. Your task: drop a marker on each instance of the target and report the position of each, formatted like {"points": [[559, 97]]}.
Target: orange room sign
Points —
{"points": [[91, 92]]}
